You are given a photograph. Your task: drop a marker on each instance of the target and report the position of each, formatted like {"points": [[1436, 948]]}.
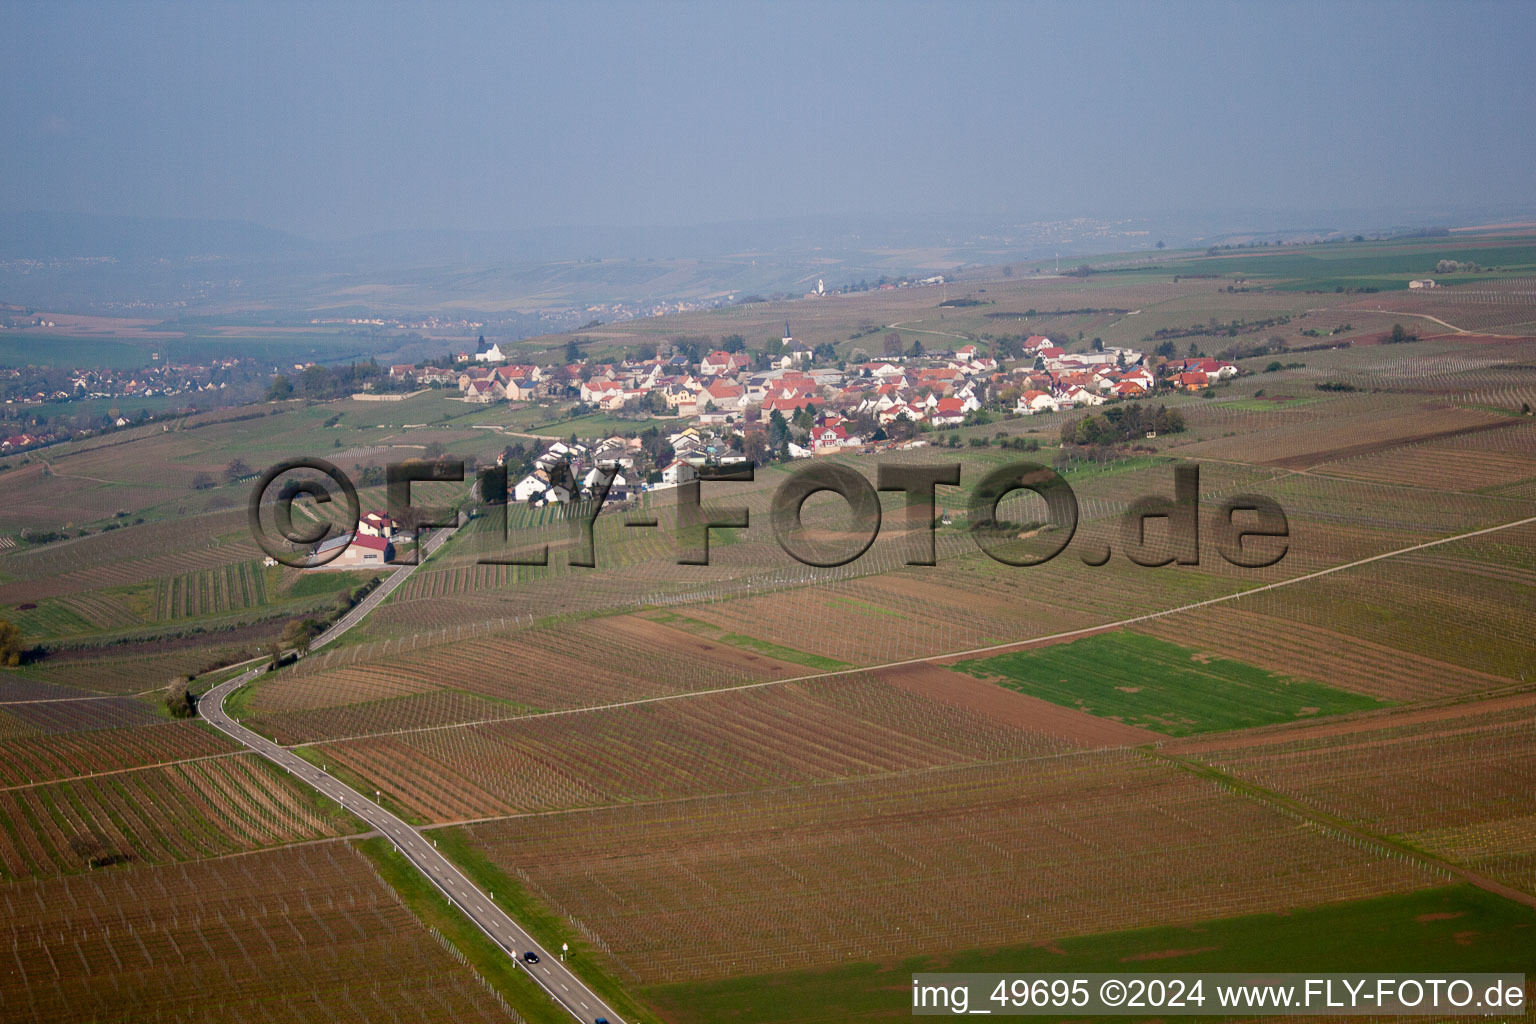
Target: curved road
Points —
{"points": [[552, 975]]}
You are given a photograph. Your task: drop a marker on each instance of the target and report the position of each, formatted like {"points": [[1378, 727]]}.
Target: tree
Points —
{"points": [[281, 388], [733, 343], [299, 633], [179, 700], [572, 352], [1166, 350], [236, 470], [201, 482], [1160, 245], [1098, 344], [316, 381], [1400, 334], [10, 643], [778, 429], [893, 343], [917, 349]]}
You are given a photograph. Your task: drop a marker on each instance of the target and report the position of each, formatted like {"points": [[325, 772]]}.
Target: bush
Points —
{"points": [[179, 700]]}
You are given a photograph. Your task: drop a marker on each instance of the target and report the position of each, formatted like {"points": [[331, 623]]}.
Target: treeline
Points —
{"points": [[325, 382], [1122, 423]]}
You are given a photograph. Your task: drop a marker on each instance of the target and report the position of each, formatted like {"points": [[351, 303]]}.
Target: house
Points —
{"points": [[826, 437], [718, 363], [376, 524], [619, 489], [481, 391], [490, 354], [1213, 368], [722, 396], [949, 412], [1032, 401], [594, 391], [537, 489], [1193, 380], [400, 371], [678, 472], [519, 390]]}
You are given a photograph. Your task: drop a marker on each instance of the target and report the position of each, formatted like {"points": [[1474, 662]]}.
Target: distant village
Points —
{"points": [[730, 406], [202, 385]]}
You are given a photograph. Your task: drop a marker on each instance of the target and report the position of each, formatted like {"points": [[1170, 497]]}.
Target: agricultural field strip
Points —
{"points": [[90, 696], [847, 781], [120, 771], [973, 652], [1307, 811]]}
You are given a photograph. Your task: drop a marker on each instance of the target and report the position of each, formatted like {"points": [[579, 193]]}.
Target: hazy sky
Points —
{"points": [[349, 119]]}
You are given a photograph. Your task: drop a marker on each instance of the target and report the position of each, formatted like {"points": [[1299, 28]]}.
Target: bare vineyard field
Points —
{"points": [[211, 591], [136, 668], [1279, 644], [1472, 611], [737, 740], [1439, 465], [625, 657], [308, 933], [950, 859], [56, 716], [421, 711], [1456, 784], [182, 811], [42, 758], [92, 563], [1313, 439], [1507, 306]]}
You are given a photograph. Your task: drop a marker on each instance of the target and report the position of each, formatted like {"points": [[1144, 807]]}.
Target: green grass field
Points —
{"points": [[55, 350], [1161, 686], [1457, 928]]}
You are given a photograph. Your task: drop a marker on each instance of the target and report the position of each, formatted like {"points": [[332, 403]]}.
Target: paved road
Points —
{"points": [[550, 973]]}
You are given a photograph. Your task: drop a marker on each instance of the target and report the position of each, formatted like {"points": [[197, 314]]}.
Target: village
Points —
{"points": [[792, 402]]}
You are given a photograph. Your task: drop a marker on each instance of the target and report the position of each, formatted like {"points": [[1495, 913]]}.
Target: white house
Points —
{"points": [[678, 472], [1031, 402]]}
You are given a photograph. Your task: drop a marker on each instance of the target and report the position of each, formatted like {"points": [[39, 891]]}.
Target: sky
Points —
{"points": [[336, 120]]}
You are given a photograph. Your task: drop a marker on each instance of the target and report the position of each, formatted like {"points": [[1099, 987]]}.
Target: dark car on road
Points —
{"points": [[531, 957]]}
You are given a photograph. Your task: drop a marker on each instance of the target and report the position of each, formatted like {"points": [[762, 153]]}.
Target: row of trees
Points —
{"points": [[1121, 423]]}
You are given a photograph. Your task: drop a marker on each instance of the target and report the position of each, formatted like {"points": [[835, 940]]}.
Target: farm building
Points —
{"points": [[359, 549]]}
